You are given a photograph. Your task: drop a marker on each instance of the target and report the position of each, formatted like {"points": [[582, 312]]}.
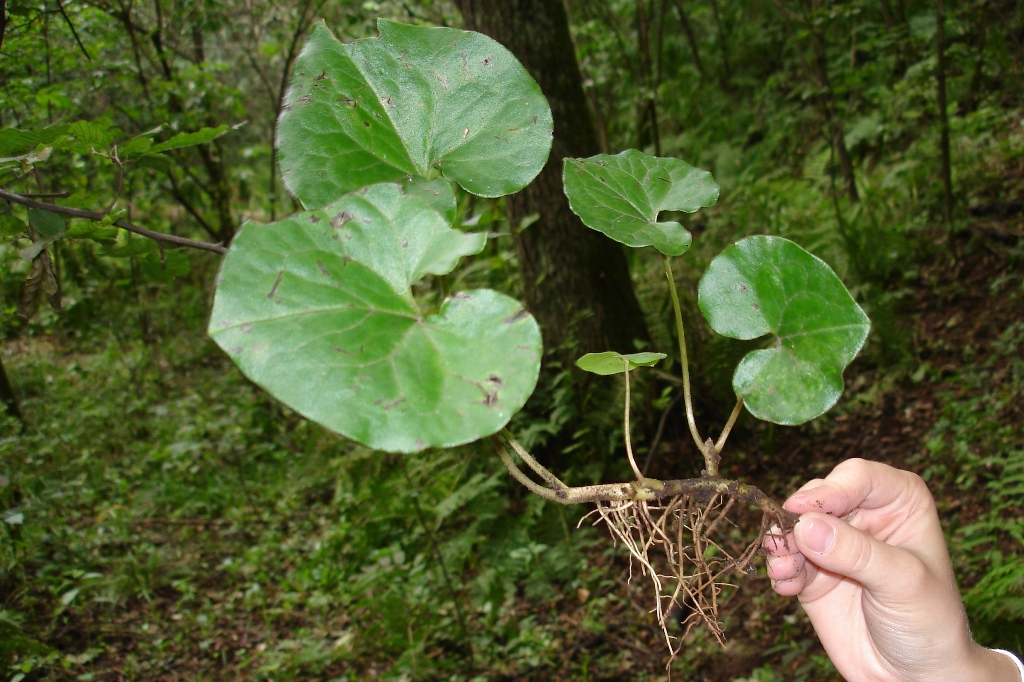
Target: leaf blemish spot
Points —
{"points": [[512, 319], [235, 350], [247, 327], [394, 403], [273, 289], [339, 219]]}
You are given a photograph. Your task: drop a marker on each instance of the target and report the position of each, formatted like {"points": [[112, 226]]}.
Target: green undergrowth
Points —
{"points": [[976, 450], [158, 499], [162, 517]]}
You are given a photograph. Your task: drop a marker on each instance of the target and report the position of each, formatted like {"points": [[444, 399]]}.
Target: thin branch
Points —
{"points": [[48, 195], [123, 224], [71, 26], [180, 197]]}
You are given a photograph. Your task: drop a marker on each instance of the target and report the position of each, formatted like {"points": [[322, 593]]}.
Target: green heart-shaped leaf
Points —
{"points": [[413, 101], [611, 362], [622, 196], [301, 310], [769, 285]]}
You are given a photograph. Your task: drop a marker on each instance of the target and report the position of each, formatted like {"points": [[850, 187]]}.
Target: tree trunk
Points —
{"points": [[575, 280]]}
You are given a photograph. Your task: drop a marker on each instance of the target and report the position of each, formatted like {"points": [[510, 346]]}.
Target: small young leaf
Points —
{"points": [[189, 139], [769, 285], [622, 196], [14, 142], [84, 136], [415, 101], [611, 362], [302, 311], [45, 223], [135, 146], [89, 230]]}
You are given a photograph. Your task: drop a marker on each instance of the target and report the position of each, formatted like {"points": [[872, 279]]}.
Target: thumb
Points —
{"points": [[838, 547]]}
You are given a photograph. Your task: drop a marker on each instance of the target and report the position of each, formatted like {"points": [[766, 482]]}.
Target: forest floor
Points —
{"points": [[141, 544]]}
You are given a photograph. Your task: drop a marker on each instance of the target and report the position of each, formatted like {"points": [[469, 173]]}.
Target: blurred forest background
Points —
{"points": [[161, 518]]}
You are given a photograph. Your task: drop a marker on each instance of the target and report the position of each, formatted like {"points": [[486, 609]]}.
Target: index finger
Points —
{"points": [[855, 484]]}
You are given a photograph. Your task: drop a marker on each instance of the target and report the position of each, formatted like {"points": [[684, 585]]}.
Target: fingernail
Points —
{"points": [[816, 534]]}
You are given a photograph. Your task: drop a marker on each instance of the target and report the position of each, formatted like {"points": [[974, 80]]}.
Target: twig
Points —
{"points": [[71, 26], [48, 195], [123, 224]]}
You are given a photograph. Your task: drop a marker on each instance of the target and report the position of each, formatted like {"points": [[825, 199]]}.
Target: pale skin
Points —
{"points": [[869, 564]]}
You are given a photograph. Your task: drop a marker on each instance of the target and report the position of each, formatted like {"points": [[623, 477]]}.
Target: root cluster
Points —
{"points": [[674, 543]]}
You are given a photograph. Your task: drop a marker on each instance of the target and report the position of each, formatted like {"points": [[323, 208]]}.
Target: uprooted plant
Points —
{"points": [[319, 308]]}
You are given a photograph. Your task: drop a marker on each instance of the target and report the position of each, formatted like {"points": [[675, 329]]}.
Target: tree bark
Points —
{"points": [[575, 280]]}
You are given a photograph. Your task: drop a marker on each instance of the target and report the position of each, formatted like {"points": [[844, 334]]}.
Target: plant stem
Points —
{"points": [[728, 425], [687, 401], [629, 446]]}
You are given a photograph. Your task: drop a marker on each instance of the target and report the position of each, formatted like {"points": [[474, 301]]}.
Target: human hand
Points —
{"points": [[869, 564]]}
